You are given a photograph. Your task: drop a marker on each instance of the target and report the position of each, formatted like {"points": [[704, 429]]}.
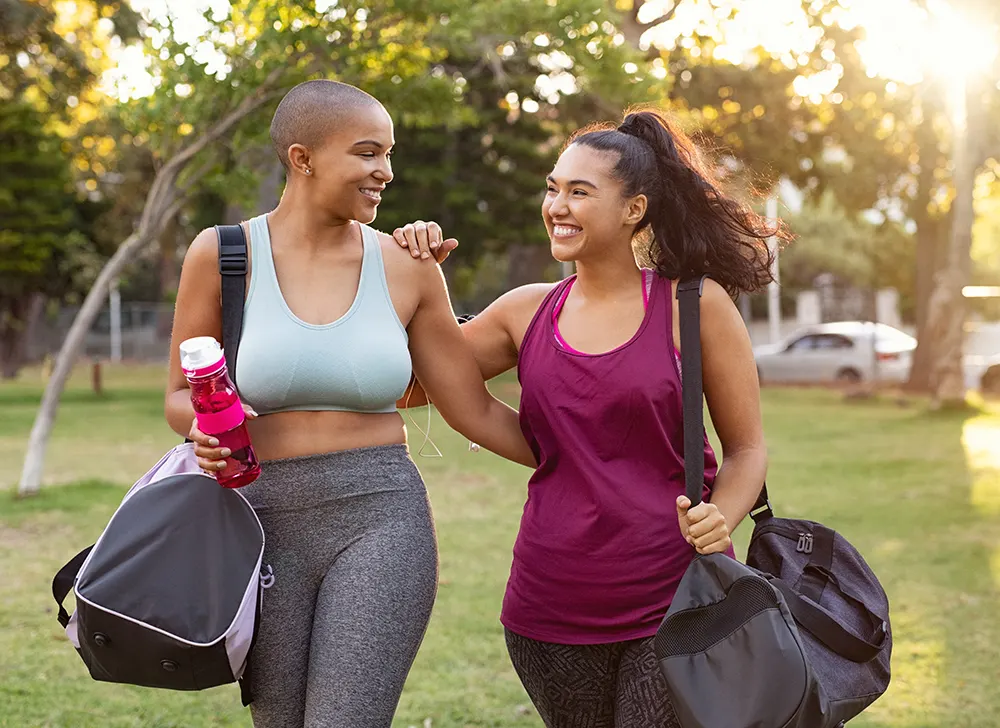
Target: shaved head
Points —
{"points": [[311, 110]]}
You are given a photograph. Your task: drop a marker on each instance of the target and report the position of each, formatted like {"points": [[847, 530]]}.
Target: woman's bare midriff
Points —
{"points": [[295, 434]]}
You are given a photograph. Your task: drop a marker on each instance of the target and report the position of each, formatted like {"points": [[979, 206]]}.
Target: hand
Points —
{"points": [[424, 239], [703, 526], [211, 457]]}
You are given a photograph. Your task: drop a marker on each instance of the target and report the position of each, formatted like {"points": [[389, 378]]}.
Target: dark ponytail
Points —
{"points": [[696, 229]]}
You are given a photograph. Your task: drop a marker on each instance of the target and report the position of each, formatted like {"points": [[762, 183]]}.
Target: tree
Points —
{"points": [[40, 242], [210, 106]]}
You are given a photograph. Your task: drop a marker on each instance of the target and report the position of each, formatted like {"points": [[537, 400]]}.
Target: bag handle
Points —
{"points": [[692, 386], [62, 583], [233, 266], [828, 631]]}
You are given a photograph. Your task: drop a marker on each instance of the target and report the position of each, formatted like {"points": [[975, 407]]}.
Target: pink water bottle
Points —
{"points": [[218, 409]]}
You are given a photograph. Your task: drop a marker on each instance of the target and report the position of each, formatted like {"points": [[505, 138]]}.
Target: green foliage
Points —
{"points": [[857, 252], [40, 238]]}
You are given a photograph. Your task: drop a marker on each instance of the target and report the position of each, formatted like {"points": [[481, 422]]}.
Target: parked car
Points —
{"points": [[838, 352]]}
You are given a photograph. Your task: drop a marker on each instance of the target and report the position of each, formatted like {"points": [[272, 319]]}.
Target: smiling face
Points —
{"points": [[584, 209], [349, 170]]}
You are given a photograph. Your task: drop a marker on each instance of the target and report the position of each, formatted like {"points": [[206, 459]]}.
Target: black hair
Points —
{"points": [[307, 113], [695, 228]]}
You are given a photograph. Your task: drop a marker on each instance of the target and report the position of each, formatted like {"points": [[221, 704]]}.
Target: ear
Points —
{"points": [[635, 209], [299, 159]]}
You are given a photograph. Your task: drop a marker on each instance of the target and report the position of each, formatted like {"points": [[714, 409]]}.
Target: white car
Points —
{"points": [[846, 352]]}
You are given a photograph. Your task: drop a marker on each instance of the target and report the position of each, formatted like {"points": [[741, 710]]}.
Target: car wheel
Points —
{"points": [[848, 375]]}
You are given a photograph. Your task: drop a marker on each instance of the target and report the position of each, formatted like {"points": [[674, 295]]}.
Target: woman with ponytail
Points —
{"points": [[607, 532]]}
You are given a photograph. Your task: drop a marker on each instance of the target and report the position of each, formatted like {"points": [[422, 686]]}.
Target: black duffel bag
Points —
{"points": [[798, 637]]}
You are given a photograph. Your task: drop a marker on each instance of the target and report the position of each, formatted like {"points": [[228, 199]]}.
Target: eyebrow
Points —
{"points": [[374, 143], [572, 182]]}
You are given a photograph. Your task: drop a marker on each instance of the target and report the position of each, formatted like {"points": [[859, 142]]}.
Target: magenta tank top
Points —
{"points": [[599, 553]]}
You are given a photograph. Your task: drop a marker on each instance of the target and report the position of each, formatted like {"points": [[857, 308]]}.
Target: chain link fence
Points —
{"points": [[145, 334]]}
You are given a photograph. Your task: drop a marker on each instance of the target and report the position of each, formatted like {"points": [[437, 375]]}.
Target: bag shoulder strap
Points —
{"points": [[63, 582], [233, 266], [692, 386]]}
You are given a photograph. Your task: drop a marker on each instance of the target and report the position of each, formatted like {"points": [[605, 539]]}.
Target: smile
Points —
{"points": [[372, 194], [565, 231]]}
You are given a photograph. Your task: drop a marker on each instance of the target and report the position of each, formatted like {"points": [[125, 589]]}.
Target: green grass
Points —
{"points": [[917, 493]]}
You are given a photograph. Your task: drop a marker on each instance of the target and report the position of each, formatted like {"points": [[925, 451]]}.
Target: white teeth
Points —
{"points": [[374, 194], [565, 231]]}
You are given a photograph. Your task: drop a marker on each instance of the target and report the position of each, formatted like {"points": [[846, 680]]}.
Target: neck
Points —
{"points": [[607, 278], [299, 221]]}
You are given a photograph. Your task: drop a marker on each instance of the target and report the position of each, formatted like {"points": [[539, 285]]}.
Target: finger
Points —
{"points": [[422, 239], [700, 512], [410, 235], [720, 532], [250, 412], [212, 453], [211, 466], [714, 543], [442, 252], [399, 237], [434, 235], [683, 504], [200, 438], [706, 525]]}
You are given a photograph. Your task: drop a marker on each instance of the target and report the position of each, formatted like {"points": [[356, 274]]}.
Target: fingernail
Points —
{"points": [[225, 452], [416, 253], [253, 412], [424, 256], [220, 466], [434, 245], [213, 442]]}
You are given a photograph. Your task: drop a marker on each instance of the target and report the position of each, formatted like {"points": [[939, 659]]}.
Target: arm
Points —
{"points": [[488, 337], [447, 368], [198, 312], [733, 395]]}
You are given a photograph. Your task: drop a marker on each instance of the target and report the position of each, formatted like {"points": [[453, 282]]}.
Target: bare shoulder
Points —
{"points": [[399, 260], [716, 301], [524, 300], [204, 249]]}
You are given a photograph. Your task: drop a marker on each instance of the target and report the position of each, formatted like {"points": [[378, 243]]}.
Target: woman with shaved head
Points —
{"points": [[336, 315]]}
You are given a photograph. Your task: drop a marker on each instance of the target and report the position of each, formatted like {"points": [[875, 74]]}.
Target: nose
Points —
{"points": [[384, 171], [557, 206]]}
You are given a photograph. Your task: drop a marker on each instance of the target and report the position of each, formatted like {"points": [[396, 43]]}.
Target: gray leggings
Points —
{"points": [[351, 541]]}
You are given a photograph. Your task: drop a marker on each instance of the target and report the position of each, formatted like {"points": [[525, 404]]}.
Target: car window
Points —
{"points": [[833, 341], [805, 343]]}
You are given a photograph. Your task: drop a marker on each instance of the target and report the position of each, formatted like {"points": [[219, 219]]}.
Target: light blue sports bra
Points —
{"points": [[358, 363]]}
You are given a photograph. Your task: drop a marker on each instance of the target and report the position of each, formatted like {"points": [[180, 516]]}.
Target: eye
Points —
{"points": [[581, 193], [550, 189], [370, 155]]}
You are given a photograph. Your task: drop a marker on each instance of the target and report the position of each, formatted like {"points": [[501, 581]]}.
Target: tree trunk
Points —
{"points": [[15, 328], [929, 258], [928, 242], [946, 314]]}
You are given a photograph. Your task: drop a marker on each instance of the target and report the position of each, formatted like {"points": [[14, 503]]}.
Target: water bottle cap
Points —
{"points": [[201, 355]]}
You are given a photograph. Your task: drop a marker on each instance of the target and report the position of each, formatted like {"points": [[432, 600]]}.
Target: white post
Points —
{"points": [[774, 288], [115, 303]]}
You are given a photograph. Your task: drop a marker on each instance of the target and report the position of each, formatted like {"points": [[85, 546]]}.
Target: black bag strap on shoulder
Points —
{"points": [[233, 266], [62, 583], [689, 302]]}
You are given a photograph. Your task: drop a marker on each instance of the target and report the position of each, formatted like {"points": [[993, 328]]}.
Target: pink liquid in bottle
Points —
{"points": [[218, 409]]}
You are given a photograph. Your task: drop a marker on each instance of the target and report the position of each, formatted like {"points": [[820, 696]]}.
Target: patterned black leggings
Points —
{"points": [[617, 685]]}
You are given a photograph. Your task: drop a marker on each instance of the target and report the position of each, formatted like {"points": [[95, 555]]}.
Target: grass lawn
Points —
{"points": [[918, 494]]}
